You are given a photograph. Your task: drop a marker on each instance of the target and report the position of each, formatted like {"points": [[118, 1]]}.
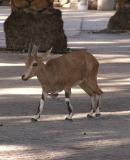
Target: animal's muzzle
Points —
{"points": [[24, 78]]}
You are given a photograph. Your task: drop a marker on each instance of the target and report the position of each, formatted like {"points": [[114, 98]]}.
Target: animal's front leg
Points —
{"points": [[40, 108], [68, 104], [93, 107]]}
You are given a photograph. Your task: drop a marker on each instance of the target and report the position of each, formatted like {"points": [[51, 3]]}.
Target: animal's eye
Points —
{"points": [[35, 64]]}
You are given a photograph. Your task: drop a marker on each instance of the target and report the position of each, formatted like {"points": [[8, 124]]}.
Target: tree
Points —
{"points": [[35, 21], [121, 19]]}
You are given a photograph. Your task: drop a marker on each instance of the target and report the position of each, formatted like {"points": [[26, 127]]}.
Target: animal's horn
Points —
{"points": [[35, 49], [29, 49]]}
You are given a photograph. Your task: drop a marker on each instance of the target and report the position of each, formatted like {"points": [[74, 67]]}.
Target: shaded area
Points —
{"points": [[22, 28], [53, 138], [120, 20]]}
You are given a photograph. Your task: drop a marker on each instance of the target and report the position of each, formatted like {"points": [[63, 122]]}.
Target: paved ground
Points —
{"points": [[53, 138]]}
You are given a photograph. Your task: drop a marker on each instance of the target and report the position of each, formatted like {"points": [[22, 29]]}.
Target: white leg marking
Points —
{"points": [[40, 109], [91, 112], [98, 105], [93, 103], [69, 116]]}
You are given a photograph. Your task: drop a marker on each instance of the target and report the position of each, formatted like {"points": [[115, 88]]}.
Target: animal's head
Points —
{"points": [[33, 63]]}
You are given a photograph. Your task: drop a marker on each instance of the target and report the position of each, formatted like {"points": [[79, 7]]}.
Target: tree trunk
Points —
{"points": [[92, 4], [36, 24], [121, 19]]}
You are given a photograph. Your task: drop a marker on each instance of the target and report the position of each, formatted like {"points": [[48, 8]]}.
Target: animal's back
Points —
{"points": [[73, 59], [72, 66]]}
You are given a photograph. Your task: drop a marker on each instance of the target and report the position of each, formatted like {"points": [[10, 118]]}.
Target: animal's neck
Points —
{"points": [[41, 73], [43, 77]]}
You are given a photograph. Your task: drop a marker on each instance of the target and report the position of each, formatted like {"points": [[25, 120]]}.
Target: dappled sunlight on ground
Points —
{"points": [[19, 152], [65, 146], [113, 58], [91, 42], [106, 87], [58, 117], [53, 138], [11, 64]]}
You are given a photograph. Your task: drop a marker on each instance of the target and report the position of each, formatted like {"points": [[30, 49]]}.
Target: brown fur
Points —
{"points": [[62, 73]]}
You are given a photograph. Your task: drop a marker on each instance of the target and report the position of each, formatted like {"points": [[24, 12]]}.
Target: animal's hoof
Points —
{"points": [[89, 116], [69, 119], [98, 115], [33, 120]]}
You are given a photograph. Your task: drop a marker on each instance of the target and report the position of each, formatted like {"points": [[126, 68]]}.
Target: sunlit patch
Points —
{"points": [[68, 13], [101, 78], [58, 117], [32, 91], [22, 152], [7, 148], [11, 64], [15, 119], [115, 83], [117, 113], [111, 89], [10, 78], [106, 87], [21, 91], [2, 21], [113, 58], [105, 143], [14, 78], [91, 42]]}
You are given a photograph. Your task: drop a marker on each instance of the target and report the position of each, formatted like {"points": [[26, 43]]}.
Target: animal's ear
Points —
{"points": [[47, 53], [35, 50]]}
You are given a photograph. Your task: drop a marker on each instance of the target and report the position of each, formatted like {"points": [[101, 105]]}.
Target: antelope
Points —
{"points": [[61, 74]]}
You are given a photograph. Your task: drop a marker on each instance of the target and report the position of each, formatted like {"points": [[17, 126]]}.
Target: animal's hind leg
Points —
{"points": [[90, 92], [40, 108], [92, 82], [98, 106], [68, 104]]}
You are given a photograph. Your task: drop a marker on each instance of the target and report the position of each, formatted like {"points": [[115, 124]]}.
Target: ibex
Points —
{"points": [[61, 73]]}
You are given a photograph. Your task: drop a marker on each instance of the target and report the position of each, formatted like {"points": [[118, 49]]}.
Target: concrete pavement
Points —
{"points": [[52, 138]]}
